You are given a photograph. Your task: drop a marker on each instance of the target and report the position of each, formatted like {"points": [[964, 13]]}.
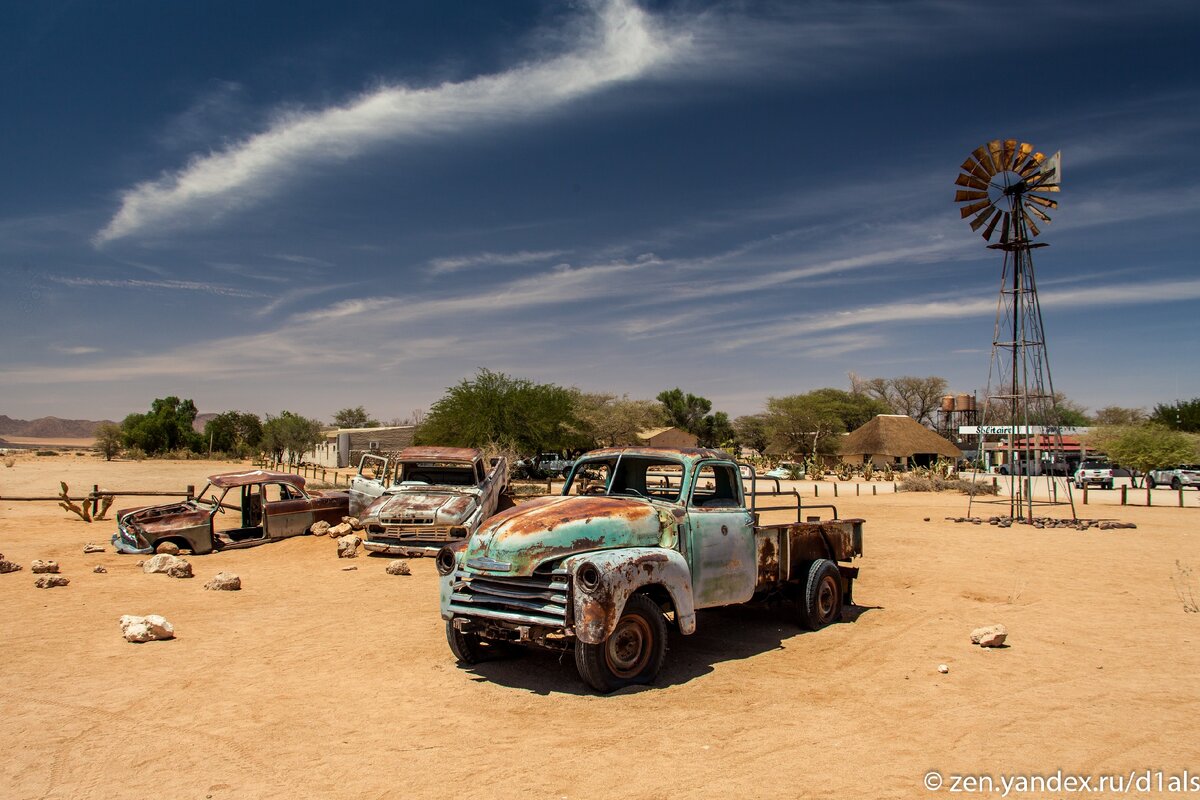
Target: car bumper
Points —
{"points": [[411, 550], [122, 546]]}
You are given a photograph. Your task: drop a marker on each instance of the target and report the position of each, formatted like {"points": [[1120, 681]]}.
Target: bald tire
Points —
{"points": [[634, 653], [820, 600]]}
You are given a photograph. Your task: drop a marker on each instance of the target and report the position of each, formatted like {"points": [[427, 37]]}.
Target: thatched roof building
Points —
{"points": [[895, 439]]}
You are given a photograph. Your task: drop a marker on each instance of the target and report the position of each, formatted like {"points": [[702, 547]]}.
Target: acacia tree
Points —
{"points": [[692, 413], [167, 426], [356, 417], [606, 420], [108, 440], [291, 433], [803, 424], [494, 409], [233, 432], [752, 432], [1183, 415], [1117, 415], [908, 394]]}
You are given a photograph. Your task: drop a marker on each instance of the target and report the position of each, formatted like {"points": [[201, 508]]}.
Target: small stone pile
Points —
{"points": [[1048, 522], [347, 525], [39, 567]]}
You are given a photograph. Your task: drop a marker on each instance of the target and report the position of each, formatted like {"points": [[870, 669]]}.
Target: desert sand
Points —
{"points": [[315, 681]]}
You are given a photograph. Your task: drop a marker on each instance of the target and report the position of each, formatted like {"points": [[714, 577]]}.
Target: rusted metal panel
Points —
{"points": [[768, 559], [231, 479], [620, 573], [467, 454]]}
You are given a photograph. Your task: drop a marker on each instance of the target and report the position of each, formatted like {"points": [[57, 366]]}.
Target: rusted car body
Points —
{"points": [[426, 497], [235, 509], [637, 533]]}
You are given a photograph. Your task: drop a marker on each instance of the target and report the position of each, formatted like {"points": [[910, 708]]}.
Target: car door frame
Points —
{"points": [[720, 544]]}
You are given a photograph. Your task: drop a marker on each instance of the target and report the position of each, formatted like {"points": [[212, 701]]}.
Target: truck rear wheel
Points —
{"points": [[470, 648], [820, 601], [633, 654]]}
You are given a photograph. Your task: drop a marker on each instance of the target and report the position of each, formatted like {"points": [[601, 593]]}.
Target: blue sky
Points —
{"points": [[311, 206]]}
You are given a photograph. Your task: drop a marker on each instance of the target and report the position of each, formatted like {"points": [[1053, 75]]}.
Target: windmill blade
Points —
{"points": [[985, 160], [961, 195], [1010, 147], [1032, 226], [1004, 229], [1035, 163], [1044, 202], [1022, 153], [974, 207], [971, 181], [972, 166], [990, 213], [987, 234], [1037, 212], [995, 150]]}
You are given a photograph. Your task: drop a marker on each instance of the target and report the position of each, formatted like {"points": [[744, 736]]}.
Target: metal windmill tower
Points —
{"points": [[1004, 186]]}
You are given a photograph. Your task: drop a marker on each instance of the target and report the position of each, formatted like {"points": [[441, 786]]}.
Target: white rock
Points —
{"points": [[170, 548], [989, 635], [398, 568], [39, 567], [92, 548], [224, 582], [942, 668], [167, 564], [50, 581], [319, 528], [146, 629], [340, 530], [348, 546], [353, 522]]}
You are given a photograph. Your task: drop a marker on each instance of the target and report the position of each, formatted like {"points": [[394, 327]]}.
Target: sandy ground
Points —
{"points": [[319, 682]]}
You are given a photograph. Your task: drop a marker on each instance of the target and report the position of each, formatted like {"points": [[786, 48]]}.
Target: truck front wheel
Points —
{"points": [[471, 648], [633, 654], [820, 600]]}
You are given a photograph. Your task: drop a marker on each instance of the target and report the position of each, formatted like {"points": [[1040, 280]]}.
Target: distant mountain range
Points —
{"points": [[50, 427]]}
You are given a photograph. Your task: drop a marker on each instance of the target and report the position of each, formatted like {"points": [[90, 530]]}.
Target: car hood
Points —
{"points": [[170, 516], [517, 541], [422, 502]]}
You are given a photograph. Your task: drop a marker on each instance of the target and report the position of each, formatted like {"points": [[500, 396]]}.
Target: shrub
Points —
{"points": [[932, 483], [46, 453], [8, 462]]}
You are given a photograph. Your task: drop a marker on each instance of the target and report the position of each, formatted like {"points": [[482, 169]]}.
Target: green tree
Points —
{"points": [[290, 433], [692, 413], [354, 418], [804, 424], [494, 409], [1183, 415], [752, 432], [167, 427], [606, 420], [1116, 415], [854, 410], [233, 432], [1145, 447], [108, 440]]}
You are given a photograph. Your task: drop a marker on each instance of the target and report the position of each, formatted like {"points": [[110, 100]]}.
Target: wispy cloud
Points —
{"points": [[439, 266], [627, 44], [80, 350], [133, 283]]}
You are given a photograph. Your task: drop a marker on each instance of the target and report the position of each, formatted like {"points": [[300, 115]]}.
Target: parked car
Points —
{"points": [[546, 465], [1094, 473], [1175, 477], [235, 509], [425, 497], [785, 470]]}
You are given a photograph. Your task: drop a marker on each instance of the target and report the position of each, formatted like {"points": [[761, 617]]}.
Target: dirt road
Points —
{"points": [[315, 681]]}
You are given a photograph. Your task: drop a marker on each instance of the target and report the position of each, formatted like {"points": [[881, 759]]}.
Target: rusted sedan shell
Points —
{"points": [[229, 479], [464, 454], [550, 528], [622, 572]]}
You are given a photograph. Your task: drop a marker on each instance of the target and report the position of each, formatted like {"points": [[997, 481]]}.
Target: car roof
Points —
{"points": [[439, 454], [227, 480]]}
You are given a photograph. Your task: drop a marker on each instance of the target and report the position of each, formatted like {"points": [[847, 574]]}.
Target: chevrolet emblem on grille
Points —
{"points": [[489, 564]]}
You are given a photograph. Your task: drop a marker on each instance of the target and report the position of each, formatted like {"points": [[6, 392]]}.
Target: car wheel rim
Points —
{"points": [[627, 651], [826, 598]]}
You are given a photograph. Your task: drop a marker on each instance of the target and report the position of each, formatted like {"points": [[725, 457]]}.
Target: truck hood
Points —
{"points": [[446, 505], [519, 540]]}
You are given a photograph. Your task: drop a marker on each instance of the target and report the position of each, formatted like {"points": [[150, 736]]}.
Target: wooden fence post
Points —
{"points": [[816, 490], [1085, 494], [1123, 494], [1181, 497], [96, 499], [835, 491], [874, 490]]}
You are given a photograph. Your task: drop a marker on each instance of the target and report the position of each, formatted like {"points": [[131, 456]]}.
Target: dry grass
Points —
{"points": [[933, 483]]}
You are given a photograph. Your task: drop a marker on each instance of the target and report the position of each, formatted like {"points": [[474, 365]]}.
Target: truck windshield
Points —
{"points": [[628, 476]]}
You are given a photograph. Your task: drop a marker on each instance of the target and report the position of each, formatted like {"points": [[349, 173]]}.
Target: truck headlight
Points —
{"points": [[446, 559], [588, 577]]}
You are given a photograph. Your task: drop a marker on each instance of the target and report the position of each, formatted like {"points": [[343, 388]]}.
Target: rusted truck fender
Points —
{"points": [[603, 580]]}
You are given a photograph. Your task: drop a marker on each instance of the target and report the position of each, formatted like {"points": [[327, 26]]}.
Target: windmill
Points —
{"points": [[1007, 188]]}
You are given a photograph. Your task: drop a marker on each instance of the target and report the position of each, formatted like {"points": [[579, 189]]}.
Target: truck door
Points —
{"points": [[720, 538], [368, 484]]}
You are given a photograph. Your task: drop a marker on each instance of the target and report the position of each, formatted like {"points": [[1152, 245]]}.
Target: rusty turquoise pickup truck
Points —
{"points": [[638, 536]]}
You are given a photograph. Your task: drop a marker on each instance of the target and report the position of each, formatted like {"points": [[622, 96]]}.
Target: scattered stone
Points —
{"points": [[942, 668], [92, 548], [50, 581], [319, 528], [9, 566], [224, 582], [340, 530], [350, 568], [167, 564], [39, 567], [146, 629], [927, 519], [989, 635], [398, 568], [167, 548], [99, 568], [348, 546], [353, 522]]}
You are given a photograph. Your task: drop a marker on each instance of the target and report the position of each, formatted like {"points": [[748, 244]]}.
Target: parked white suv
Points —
{"points": [[1175, 477], [1094, 473]]}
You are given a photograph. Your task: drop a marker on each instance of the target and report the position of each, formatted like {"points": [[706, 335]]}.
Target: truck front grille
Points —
{"points": [[405, 533], [535, 600]]}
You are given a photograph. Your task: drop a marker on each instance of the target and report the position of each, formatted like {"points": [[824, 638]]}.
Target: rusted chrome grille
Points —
{"points": [[536, 600], [427, 533], [409, 519]]}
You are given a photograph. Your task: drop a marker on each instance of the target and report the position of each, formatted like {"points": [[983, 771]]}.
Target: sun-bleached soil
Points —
{"points": [[314, 681]]}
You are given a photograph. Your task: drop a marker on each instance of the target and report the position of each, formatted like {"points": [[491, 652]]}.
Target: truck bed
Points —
{"points": [[784, 551]]}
